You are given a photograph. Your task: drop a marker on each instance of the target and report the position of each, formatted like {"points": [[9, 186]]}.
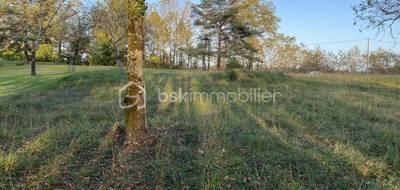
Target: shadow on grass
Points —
{"points": [[56, 136], [50, 133]]}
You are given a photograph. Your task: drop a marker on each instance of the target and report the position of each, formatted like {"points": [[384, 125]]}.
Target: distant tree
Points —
{"points": [[101, 50], [29, 22], [354, 60], [135, 117], [78, 36], [169, 30], [239, 27], [216, 16], [314, 60], [159, 34], [253, 25], [108, 18], [378, 14], [3, 43], [283, 52], [383, 60]]}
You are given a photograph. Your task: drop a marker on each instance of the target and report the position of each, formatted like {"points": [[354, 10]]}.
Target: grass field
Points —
{"points": [[326, 131]]}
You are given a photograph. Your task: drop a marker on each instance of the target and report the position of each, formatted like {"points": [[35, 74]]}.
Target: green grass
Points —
{"points": [[16, 79], [326, 131]]}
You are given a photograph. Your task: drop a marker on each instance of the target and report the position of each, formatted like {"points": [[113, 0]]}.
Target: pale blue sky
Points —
{"points": [[316, 21]]}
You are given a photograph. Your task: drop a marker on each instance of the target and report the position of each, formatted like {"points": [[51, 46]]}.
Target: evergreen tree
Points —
{"points": [[216, 16]]}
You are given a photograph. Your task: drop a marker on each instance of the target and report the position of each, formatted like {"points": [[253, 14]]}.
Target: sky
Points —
{"points": [[319, 21]]}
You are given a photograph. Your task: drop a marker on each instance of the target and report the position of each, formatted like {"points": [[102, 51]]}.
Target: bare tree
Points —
{"points": [[378, 14]]}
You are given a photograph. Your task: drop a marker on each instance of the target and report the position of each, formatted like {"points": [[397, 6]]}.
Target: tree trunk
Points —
{"points": [[135, 116], [208, 55], [26, 55], [219, 51], [174, 56], [250, 64], [203, 62], [33, 62], [209, 63], [60, 51], [162, 58], [189, 61], [118, 60]]}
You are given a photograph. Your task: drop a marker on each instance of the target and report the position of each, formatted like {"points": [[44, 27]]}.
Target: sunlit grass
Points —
{"points": [[326, 131]]}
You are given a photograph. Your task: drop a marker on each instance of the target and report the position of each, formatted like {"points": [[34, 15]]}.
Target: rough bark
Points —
{"points": [[26, 54], [219, 50], [118, 60], [135, 117], [60, 51], [33, 63]]}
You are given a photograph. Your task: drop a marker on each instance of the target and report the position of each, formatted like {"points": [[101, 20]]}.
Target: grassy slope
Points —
{"points": [[326, 131]]}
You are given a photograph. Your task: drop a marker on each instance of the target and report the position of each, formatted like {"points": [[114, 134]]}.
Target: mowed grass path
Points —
{"points": [[324, 132]]}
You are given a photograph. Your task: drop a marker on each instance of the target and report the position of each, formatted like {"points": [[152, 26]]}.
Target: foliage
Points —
{"points": [[110, 18], [46, 53], [12, 55], [153, 61], [29, 23], [239, 27], [314, 61], [78, 37], [233, 63], [233, 74], [383, 60], [102, 53]]}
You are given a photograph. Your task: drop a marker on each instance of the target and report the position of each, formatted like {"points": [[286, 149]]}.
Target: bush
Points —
{"points": [[13, 55], [233, 74], [153, 61], [233, 63], [102, 54], [394, 70], [46, 53]]}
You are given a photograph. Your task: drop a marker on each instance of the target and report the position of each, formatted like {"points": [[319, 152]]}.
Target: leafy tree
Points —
{"points": [[216, 16], [169, 30], [314, 60], [238, 26], [77, 36], [383, 60], [29, 22], [253, 24], [46, 53], [283, 52], [101, 50], [108, 18], [159, 35]]}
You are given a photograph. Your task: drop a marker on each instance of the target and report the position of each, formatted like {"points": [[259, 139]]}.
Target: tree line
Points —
{"points": [[213, 34]]}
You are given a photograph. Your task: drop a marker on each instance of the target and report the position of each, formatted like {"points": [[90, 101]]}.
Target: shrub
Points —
{"points": [[233, 63], [233, 74], [102, 54], [153, 61], [13, 55], [46, 53]]}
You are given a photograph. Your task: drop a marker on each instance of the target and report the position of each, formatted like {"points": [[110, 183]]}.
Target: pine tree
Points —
{"points": [[216, 16]]}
